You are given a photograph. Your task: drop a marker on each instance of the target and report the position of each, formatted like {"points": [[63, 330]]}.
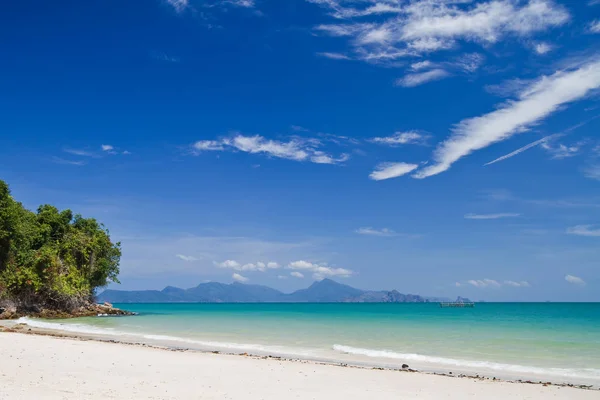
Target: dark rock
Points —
{"points": [[404, 366]]}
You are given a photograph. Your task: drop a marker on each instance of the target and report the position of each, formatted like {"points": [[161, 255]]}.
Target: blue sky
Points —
{"points": [[436, 147]]}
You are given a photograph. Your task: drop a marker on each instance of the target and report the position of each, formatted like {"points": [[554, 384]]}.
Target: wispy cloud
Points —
{"points": [[239, 278], [384, 31], [536, 102], [186, 258], [391, 170], [335, 56], [296, 149], [402, 138], [80, 152], [59, 160], [560, 151], [574, 280], [179, 5], [375, 232], [542, 48], [517, 284], [161, 56], [492, 216], [492, 283], [236, 266], [412, 80], [297, 274], [594, 26], [320, 271], [592, 171], [584, 230], [483, 283]]}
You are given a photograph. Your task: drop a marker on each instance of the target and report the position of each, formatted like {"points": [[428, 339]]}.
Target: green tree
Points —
{"points": [[52, 259]]}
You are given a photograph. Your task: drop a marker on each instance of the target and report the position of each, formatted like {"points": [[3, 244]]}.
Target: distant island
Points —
{"points": [[51, 261], [325, 291]]}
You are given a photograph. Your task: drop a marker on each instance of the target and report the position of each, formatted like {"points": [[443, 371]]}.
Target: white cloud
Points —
{"points": [[594, 26], [320, 157], [517, 284], [239, 278], [536, 102], [107, 147], [297, 149], [58, 160], [257, 266], [574, 279], [375, 232], [468, 62], [422, 26], [320, 271], [186, 258], [208, 145], [391, 170], [422, 65], [401, 138], [584, 230], [542, 48], [483, 283], [79, 152], [297, 274], [592, 171], [491, 283], [491, 216], [335, 56], [561, 151], [179, 5], [228, 264], [282, 277], [412, 80]]}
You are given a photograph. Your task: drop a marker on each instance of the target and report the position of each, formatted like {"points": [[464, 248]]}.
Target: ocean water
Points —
{"points": [[558, 342]]}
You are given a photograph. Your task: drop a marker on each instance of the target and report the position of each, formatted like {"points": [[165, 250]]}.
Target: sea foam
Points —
{"points": [[584, 373], [202, 344]]}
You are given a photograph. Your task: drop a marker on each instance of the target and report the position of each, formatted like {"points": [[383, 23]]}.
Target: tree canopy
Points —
{"points": [[50, 258]]}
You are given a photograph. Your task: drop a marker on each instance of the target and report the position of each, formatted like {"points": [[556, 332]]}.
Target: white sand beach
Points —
{"points": [[45, 367]]}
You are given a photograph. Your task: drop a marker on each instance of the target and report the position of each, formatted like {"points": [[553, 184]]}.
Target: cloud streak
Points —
{"points": [[492, 216], [402, 138], [584, 230], [536, 102], [296, 149], [375, 232], [391, 170], [412, 80]]}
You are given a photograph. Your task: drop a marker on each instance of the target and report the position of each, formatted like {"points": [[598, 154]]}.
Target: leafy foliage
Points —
{"points": [[50, 258]]}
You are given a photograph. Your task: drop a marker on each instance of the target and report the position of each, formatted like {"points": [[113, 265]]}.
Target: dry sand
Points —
{"points": [[44, 367]]}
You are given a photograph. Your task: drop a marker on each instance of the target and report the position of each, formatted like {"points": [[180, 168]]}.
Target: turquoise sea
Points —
{"points": [[559, 342]]}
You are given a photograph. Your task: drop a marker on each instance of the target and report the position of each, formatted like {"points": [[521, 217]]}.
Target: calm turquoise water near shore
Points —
{"points": [[557, 340]]}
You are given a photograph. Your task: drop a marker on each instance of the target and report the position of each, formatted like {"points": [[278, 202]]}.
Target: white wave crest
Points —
{"points": [[202, 344], [585, 373]]}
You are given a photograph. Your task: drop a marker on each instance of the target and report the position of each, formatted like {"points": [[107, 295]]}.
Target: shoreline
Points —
{"points": [[24, 329], [49, 366]]}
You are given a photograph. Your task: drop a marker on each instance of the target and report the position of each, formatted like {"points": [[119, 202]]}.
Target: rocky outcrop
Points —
{"points": [[9, 310]]}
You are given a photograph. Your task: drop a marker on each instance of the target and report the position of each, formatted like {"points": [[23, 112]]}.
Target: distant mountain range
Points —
{"points": [[325, 291]]}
